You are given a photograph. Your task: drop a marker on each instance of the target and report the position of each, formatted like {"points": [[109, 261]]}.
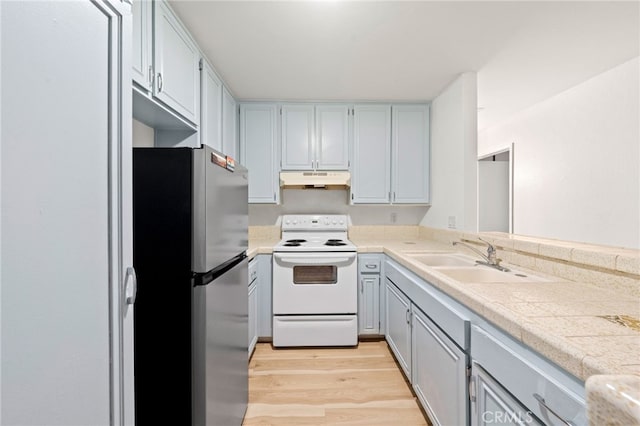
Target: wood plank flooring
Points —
{"points": [[329, 386]]}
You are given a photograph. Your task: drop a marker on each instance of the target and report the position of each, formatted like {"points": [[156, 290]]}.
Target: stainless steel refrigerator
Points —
{"points": [[190, 211]]}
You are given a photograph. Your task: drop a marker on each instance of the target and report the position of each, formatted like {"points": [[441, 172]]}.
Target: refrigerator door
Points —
{"points": [[220, 371], [221, 211]]}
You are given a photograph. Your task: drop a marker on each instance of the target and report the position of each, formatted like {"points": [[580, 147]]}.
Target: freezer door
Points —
{"points": [[221, 210], [220, 367]]}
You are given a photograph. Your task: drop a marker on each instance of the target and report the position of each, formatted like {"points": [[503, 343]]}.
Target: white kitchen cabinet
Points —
{"points": [[265, 306], [297, 124], [410, 154], [142, 47], [253, 304], [369, 266], [176, 63], [371, 171], [210, 108], [398, 333], [258, 150], [229, 124], [332, 137], [67, 347], [491, 404], [438, 371]]}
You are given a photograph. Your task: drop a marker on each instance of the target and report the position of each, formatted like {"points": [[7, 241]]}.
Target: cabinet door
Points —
{"points": [[142, 71], [439, 372], [371, 178], [398, 311], [332, 137], [66, 218], [297, 137], [253, 317], [369, 305], [258, 150], [491, 404], [176, 63], [211, 109], [410, 144], [229, 124]]}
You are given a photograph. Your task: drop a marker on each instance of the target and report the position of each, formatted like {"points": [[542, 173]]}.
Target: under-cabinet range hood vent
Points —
{"points": [[319, 180]]}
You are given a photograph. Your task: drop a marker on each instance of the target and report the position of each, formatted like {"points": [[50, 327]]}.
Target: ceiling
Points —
{"points": [[523, 52]]}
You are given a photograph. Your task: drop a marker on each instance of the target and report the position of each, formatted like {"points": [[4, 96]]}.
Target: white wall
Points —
{"points": [[577, 161], [454, 156], [143, 135]]}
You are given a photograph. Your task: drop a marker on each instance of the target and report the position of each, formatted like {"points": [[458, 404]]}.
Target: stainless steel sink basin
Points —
{"points": [[481, 274], [443, 259]]}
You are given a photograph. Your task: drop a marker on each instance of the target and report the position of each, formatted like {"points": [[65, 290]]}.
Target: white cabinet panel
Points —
{"points": [[371, 179], [438, 372], [410, 142], [398, 333], [297, 137], [332, 137], [141, 49], [368, 305], [258, 151], [176, 64], [211, 108], [66, 218], [229, 124], [253, 317], [265, 307]]}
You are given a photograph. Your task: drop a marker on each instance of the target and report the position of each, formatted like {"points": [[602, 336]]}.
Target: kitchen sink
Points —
{"points": [[442, 259], [483, 274]]}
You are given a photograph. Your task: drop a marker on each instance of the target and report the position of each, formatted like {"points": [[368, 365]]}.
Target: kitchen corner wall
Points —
{"points": [[143, 135], [454, 156], [321, 201], [577, 161]]}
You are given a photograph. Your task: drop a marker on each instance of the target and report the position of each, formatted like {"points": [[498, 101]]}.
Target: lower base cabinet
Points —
{"points": [[438, 372], [491, 404], [253, 317], [398, 333]]}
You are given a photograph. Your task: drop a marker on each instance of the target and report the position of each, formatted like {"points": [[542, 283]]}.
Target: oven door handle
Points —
{"points": [[315, 258]]}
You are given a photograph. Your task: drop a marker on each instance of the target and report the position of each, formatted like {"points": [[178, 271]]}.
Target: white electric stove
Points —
{"points": [[315, 285]]}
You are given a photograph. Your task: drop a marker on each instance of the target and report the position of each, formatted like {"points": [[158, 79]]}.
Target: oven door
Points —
{"points": [[315, 283]]}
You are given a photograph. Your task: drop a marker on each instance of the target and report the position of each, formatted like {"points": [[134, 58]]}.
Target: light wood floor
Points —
{"points": [[350, 386]]}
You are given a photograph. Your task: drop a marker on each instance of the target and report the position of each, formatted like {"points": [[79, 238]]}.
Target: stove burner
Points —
{"points": [[332, 240], [296, 241], [291, 244], [335, 243]]}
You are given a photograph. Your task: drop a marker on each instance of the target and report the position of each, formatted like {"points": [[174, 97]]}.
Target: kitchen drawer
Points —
{"points": [[449, 317], [253, 270], [529, 377], [369, 264]]}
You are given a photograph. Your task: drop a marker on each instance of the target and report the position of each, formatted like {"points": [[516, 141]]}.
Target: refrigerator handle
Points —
{"points": [[130, 300]]}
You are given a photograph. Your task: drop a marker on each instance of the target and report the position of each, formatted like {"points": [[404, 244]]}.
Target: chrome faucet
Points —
{"points": [[490, 259]]}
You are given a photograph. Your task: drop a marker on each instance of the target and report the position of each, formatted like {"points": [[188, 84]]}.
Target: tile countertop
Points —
{"points": [[558, 318]]}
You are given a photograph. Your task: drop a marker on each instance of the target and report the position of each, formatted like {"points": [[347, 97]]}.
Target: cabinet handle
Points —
{"points": [[394, 196], [545, 407], [274, 196], [150, 76], [370, 265], [406, 316], [130, 300], [159, 82], [472, 390], [362, 286]]}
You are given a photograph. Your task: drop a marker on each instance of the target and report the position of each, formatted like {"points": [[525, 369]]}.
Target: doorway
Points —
{"points": [[495, 191]]}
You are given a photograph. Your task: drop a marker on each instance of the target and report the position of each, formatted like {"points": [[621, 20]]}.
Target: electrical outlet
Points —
{"points": [[394, 217], [452, 222]]}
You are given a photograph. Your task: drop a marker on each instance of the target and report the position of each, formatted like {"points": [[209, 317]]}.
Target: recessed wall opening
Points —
{"points": [[495, 191]]}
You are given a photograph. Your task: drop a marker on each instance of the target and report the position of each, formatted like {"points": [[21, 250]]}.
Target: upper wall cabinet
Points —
{"points": [[166, 68], [297, 137], [176, 63], [229, 124], [410, 154], [371, 178], [141, 52], [258, 150], [210, 108], [332, 137]]}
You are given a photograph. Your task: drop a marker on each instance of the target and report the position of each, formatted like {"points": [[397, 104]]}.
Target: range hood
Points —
{"points": [[321, 180]]}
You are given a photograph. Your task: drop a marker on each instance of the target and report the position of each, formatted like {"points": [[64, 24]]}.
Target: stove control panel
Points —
{"points": [[306, 222]]}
